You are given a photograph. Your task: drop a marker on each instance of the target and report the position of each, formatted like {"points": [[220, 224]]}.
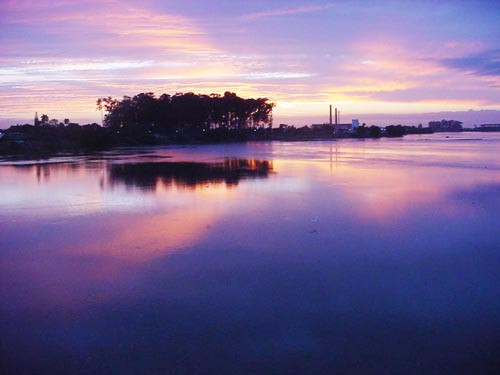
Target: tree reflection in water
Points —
{"points": [[187, 174]]}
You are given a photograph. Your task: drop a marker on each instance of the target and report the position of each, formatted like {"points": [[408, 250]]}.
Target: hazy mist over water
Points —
{"points": [[348, 256]]}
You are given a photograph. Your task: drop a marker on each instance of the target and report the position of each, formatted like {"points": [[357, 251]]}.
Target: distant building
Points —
{"points": [[495, 126], [337, 128], [445, 126], [342, 128], [488, 128], [36, 121], [321, 126]]}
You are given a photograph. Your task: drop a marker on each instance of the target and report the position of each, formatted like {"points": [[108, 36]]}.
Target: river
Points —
{"points": [[348, 256]]}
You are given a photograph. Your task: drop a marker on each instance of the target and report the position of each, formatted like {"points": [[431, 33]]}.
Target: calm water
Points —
{"points": [[355, 257]]}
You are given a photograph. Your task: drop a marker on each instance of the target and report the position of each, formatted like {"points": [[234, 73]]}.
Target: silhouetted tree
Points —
{"points": [[395, 131], [185, 112], [375, 131]]}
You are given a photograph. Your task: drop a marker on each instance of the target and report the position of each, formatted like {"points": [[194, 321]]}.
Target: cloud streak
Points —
{"points": [[483, 64], [287, 11], [105, 29]]}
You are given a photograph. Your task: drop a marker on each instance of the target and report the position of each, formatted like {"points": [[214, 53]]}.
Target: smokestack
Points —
{"points": [[336, 116], [330, 114]]}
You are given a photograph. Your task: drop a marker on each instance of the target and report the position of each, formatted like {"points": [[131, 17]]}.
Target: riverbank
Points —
{"points": [[41, 142], [38, 142]]}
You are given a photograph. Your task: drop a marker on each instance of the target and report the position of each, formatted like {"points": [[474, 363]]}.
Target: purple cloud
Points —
{"points": [[58, 56], [482, 64]]}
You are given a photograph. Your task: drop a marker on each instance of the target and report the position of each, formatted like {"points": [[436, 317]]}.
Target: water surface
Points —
{"points": [[351, 256]]}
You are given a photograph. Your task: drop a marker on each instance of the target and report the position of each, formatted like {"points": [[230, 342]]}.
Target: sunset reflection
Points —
{"points": [[187, 174], [285, 240], [382, 182]]}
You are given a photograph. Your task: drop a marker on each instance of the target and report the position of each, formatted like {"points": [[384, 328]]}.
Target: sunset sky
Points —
{"points": [[365, 57]]}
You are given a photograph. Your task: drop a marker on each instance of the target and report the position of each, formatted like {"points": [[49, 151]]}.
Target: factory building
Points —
{"points": [[336, 125]]}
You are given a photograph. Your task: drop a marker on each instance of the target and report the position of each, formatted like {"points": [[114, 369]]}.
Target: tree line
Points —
{"points": [[185, 112]]}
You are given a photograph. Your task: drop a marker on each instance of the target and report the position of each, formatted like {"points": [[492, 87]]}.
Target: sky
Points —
{"points": [[371, 59]]}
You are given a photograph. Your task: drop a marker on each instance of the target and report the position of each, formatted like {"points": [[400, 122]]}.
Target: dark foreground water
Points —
{"points": [[347, 257]]}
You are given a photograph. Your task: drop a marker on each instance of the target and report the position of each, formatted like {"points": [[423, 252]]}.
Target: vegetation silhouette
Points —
{"points": [[184, 113], [182, 118], [368, 132], [147, 120]]}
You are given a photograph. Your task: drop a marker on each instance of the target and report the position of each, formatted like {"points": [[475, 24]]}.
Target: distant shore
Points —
{"points": [[41, 142], [187, 118]]}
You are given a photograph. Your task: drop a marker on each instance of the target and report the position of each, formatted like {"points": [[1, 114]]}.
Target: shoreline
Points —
{"points": [[38, 154]]}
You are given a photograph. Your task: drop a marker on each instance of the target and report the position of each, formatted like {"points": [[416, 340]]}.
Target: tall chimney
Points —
{"points": [[330, 114], [336, 116]]}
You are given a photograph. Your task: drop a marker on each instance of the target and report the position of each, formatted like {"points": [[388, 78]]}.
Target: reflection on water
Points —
{"points": [[189, 174], [377, 256], [148, 174]]}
